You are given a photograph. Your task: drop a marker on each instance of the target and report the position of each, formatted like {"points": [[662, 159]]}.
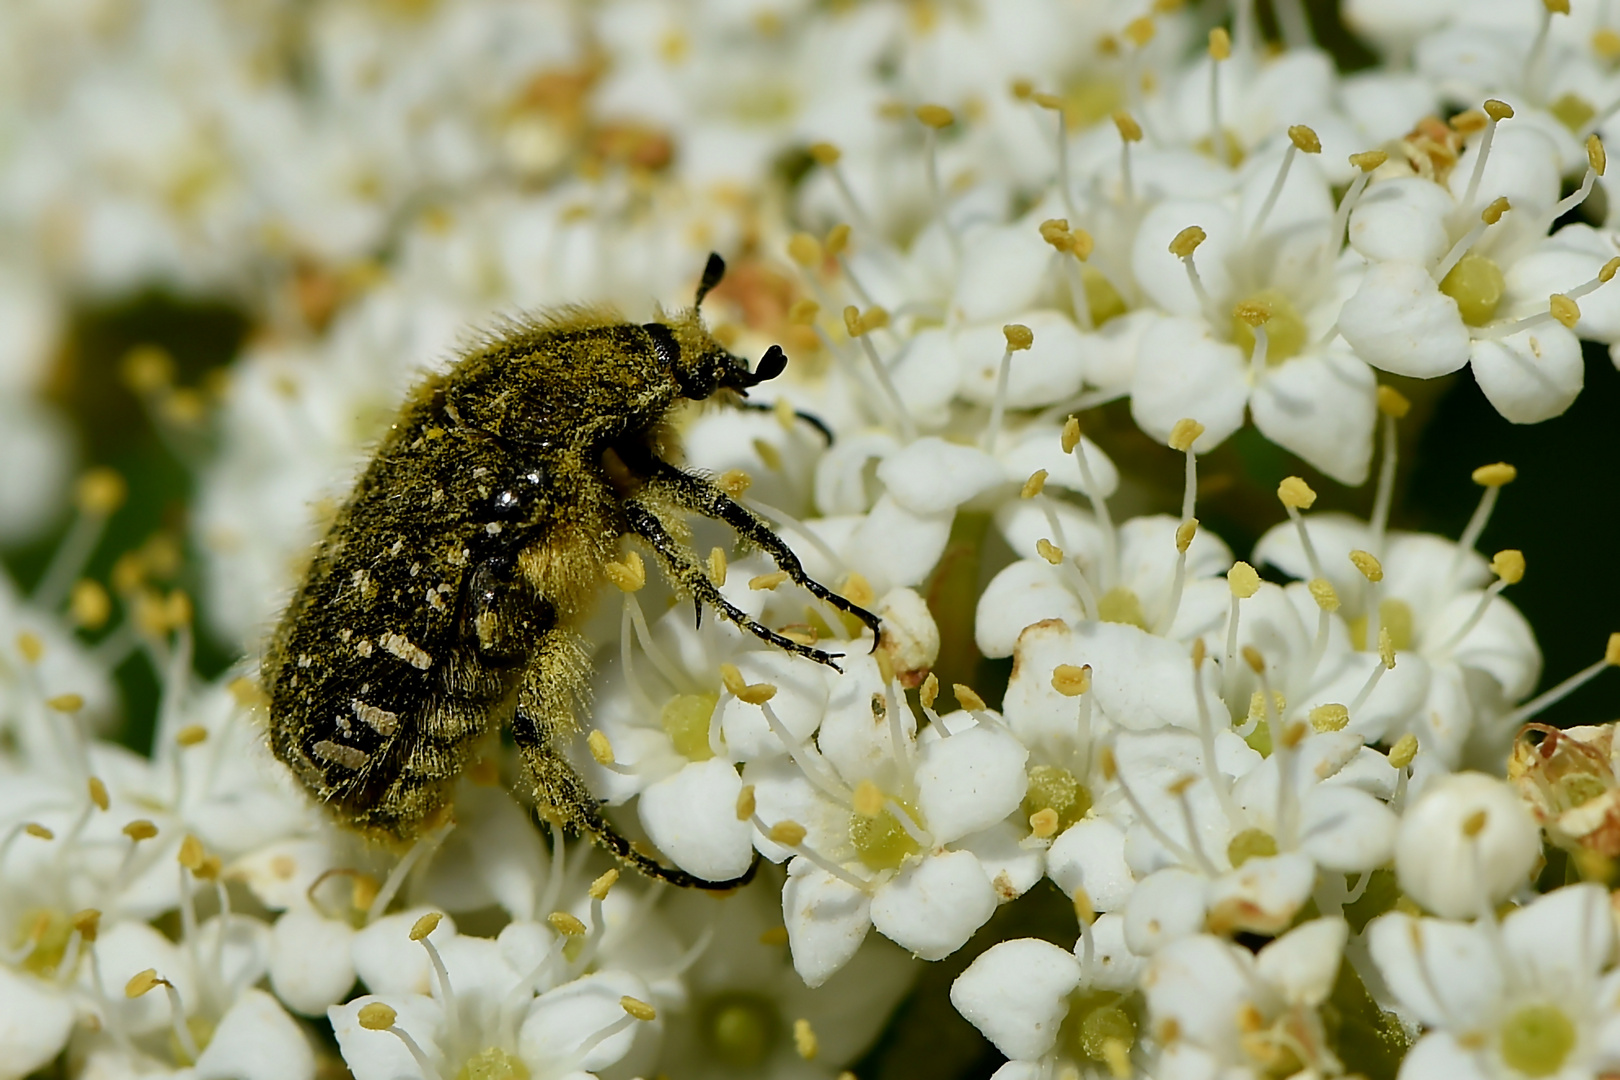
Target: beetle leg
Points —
{"points": [[809, 418], [686, 573]]}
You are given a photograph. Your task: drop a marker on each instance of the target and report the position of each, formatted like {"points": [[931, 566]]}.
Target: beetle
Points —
{"points": [[439, 603]]}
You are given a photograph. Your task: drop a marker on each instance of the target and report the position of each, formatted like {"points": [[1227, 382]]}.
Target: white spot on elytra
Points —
{"points": [[381, 721], [401, 646], [338, 754], [363, 647]]}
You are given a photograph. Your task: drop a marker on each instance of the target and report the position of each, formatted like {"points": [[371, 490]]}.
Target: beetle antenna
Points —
{"points": [[772, 364], [713, 271]]}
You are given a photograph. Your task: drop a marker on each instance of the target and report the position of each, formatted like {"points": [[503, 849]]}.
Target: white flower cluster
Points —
{"points": [[969, 225]]}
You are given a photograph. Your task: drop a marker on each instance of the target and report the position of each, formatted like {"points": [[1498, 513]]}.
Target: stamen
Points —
{"points": [[1296, 495], [1392, 406], [1206, 737], [1179, 790], [1182, 436], [827, 156], [1301, 139], [1611, 658], [1493, 478], [1596, 162], [1327, 602], [424, 848], [1182, 247], [1255, 315], [859, 326], [1497, 111], [1182, 855], [1386, 657], [934, 119], [809, 761], [1054, 104], [1129, 132], [920, 836], [376, 1016], [1367, 162], [1243, 581], [1074, 444], [672, 672], [1487, 217], [1220, 48], [98, 494], [1019, 338], [142, 982], [419, 933], [790, 834], [1508, 566], [1283, 740]]}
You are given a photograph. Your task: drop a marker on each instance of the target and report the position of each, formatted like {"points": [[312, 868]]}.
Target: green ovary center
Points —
{"points": [[740, 1029], [1101, 1026], [1055, 789], [493, 1063], [1102, 298], [1286, 332], [1250, 844], [1393, 615], [49, 931], [881, 842], [1121, 605], [686, 719], [1536, 1039], [1477, 284]]}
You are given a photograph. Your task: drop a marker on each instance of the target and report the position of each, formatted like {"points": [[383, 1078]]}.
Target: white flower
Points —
{"points": [[1467, 844]]}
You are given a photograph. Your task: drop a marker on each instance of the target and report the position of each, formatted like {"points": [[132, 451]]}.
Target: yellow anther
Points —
{"points": [[824, 153], [1185, 533], [1019, 337], [1295, 494], [89, 605], [1497, 475], [1294, 734], [1391, 402], [192, 854], [1565, 310], [1252, 312], [1186, 241], [31, 646], [1083, 244], [1474, 823], [1185, 433], [746, 803], [1323, 593], [1129, 129], [803, 312], [1468, 122], [868, 799], [1139, 31], [1508, 564], [1329, 717], [565, 924], [935, 116], [1071, 434], [1243, 580], [1220, 44], [967, 697], [629, 574], [1368, 564], [1048, 101], [38, 831], [140, 829], [638, 1008], [1108, 763], [98, 793], [191, 735], [1368, 160], [775, 936], [1596, 158], [424, 926], [1180, 786], [804, 249], [717, 568], [852, 321], [1071, 681], [1043, 823], [837, 240], [1493, 213], [87, 923], [928, 693], [1055, 231], [1498, 110], [1032, 487], [1404, 750], [100, 491], [1252, 657], [601, 747], [768, 581], [735, 482], [375, 1016], [1611, 651], [1049, 551], [1199, 651], [1022, 89], [600, 888], [757, 693], [1556, 7], [1305, 139], [857, 590], [1606, 43], [1609, 270], [143, 981], [1386, 647], [788, 833], [68, 703]]}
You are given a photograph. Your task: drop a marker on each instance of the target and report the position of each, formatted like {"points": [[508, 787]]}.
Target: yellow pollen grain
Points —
{"points": [[1508, 564], [191, 735], [928, 693], [1295, 494], [1252, 657], [87, 923], [1032, 487], [100, 491], [424, 926], [1329, 717], [1404, 750], [1368, 564], [824, 153], [67, 703], [788, 833], [31, 647], [1185, 533], [628, 574], [35, 829], [1186, 241], [1596, 159], [1128, 128], [1243, 580], [1386, 647], [1498, 110], [1252, 312], [804, 1039], [98, 793], [143, 981], [935, 116], [967, 697], [1305, 139], [1043, 823], [1019, 337], [140, 829], [746, 803], [1185, 433], [1474, 823], [1049, 551], [1220, 44], [1497, 475], [763, 582], [1139, 31], [717, 567], [1326, 597], [603, 885], [1493, 212], [1565, 310], [1611, 651], [600, 746], [868, 799], [837, 240], [638, 1008], [1391, 402], [1368, 160], [376, 1016], [565, 924], [857, 590], [735, 482], [804, 249], [1071, 681], [1071, 434]]}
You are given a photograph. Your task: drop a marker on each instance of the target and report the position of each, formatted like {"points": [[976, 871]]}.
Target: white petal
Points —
{"points": [[932, 476], [827, 919], [1455, 873], [1304, 961], [893, 546], [1201, 982], [310, 966], [1162, 274], [1438, 1056], [1402, 219], [1040, 446], [1022, 594], [1016, 993], [379, 1055], [1090, 855], [1262, 895], [561, 1020], [1012, 867], [933, 906], [1109, 962], [1530, 376], [1183, 371], [1422, 958], [1002, 271], [389, 962], [927, 375], [1400, 321], [1049, 371], [35, 1020], [970, 781], [842, 486], [1320, 405], [1165, 906], [800, 701], [257, 1040], [1346, 829], [1562, 940], [1523, 166], [129, 948], [692, 818]]}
